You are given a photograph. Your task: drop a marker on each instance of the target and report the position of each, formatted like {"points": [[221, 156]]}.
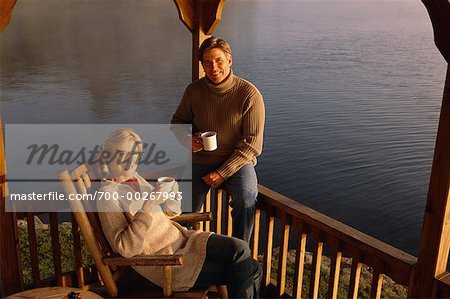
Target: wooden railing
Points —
{"points": [[279, 219], [283, 228], [77, 276]]}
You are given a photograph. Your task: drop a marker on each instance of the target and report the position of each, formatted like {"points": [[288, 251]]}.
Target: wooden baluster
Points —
{"points": [[200, 225], [77, 252], [315, 269], [219, 193], [377, 283], [282, 256], [33, 250], [255, 246], [208, 209], [56, 248], [335, 268], [267, 265], [229, 218], [354, 277], [18, 253], [299, 262]]}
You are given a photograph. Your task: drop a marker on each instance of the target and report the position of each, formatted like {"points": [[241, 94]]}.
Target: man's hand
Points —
{"points": [[213, 179], [197, 143]]}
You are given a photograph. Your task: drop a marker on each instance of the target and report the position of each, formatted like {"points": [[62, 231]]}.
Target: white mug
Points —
{"points": [[209, 141], [166, 180]]}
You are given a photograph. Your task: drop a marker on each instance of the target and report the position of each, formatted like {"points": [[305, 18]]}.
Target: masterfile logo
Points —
{"points": [[36, 153]]}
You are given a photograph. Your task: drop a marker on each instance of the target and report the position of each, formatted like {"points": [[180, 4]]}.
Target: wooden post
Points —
{"points": [[435, 238], [198, 36], [10, 274], [201, 18], [439, 10]]}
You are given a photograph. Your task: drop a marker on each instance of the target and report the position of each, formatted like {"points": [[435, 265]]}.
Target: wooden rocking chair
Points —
{"points": [[107, 262]]}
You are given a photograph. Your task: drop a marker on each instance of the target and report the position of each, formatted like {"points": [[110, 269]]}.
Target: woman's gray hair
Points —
{"points": [[119, 137]]}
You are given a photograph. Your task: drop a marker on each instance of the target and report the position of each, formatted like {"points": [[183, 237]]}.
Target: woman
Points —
{"points": [[135, 227]]}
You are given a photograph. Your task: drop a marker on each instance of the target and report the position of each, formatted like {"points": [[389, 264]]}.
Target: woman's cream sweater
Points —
{"points": [[149, 232]]}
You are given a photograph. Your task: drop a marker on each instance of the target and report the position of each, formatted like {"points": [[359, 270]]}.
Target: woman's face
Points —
{"points": [[124, 159]]}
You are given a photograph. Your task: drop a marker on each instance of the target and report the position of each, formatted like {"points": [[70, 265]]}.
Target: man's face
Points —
{"points": [[216, 65]]}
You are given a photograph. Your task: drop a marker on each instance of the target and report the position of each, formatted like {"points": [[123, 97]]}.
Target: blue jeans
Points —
{"points": [[229, 261], [242, 186]]}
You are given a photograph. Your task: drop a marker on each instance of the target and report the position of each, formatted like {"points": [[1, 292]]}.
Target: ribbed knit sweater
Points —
{"points": [[150, 231], [235, 110]]}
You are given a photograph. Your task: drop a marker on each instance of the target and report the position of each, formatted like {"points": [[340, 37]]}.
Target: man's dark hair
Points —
{"points": [[214, 42]]}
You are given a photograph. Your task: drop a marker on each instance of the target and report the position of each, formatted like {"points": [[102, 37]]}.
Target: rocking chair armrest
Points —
{"points": [[145, 260], [193, 217]]}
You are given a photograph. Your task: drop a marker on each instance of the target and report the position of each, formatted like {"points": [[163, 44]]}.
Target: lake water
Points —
{"points": [[352, 90]]}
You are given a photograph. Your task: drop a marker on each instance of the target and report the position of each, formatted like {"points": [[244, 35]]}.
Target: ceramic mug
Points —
{"points": [[209, 141]]}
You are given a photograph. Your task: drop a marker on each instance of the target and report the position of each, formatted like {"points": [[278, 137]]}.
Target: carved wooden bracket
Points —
{"points": [[201, 15]]}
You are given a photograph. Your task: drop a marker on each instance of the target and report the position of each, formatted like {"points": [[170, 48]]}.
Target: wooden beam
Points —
{"points": [[197, 39], [230, 224], [219, 201], [201, 18], [282, 256], [255, 244], [191, 14], [377, 283], [335, 268], [439, 11], [267, 263], [315, 269], [10, 274], [435, 238], [299, 263], [355, 275]]}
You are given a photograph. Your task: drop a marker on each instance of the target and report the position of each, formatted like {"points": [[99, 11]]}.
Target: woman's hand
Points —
{"points": [[159, 195], [164, 187], [172, 206]]}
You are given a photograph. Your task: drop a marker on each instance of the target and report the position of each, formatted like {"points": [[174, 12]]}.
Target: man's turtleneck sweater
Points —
{"points": [[234, 109]]}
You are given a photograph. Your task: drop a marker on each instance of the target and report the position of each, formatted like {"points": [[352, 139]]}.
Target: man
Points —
{"points": [[234, 108]]}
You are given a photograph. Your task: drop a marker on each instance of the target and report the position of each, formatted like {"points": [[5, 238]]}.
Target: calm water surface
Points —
{"points": [[352, 90]]}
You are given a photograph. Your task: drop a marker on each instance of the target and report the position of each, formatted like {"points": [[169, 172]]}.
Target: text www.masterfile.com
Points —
{"points": [[97, 195]]}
